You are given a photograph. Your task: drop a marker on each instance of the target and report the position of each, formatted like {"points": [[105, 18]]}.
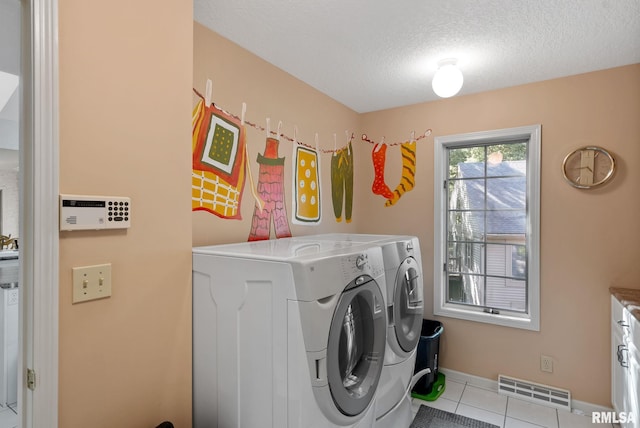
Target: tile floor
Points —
{"points": [[487, 405]]}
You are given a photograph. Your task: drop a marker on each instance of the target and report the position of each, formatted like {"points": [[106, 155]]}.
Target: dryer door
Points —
{"points": [[355, 351], [407, 305]]}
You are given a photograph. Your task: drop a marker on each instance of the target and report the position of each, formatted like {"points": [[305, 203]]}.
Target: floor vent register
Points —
{"points": [[535, 392]]}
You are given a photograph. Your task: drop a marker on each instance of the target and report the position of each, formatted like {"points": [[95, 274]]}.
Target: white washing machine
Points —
{"points": [[287, 333], [405, 311]]}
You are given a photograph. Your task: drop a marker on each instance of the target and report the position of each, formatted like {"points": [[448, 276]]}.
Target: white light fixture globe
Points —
{"points": [[448, 79]]}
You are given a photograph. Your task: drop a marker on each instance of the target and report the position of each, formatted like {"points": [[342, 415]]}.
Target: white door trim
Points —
{"points": [[39, 172]]}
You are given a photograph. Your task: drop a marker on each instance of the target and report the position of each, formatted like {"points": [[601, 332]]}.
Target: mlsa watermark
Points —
{"points": [[613, 417]]}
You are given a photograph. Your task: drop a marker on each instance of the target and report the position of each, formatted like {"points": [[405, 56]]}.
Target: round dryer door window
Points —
{"points": [[355, 351], [407, 305]]}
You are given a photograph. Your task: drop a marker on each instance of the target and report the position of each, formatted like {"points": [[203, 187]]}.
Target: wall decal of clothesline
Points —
{"points": [[220, 162], [350, 136]]}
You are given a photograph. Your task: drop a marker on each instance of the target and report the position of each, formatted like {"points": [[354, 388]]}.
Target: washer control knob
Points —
{"points": [[361, 261]]}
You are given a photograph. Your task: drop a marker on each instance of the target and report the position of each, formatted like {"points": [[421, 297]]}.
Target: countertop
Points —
{"points": [[630, 299], [9, 254]]}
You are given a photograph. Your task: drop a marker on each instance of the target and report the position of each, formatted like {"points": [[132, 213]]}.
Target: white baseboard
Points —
{"points": [[478, 381], [582, 407], [577, 406]]}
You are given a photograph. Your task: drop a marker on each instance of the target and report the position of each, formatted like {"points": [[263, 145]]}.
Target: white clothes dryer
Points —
{"points": [[287, 333], [405, 311]]}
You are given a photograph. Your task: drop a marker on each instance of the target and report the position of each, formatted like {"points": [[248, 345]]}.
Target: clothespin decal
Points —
{"points": [[208, 92]]}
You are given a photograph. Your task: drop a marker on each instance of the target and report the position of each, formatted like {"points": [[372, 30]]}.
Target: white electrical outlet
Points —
{"points": [[546, 364], [91, 282]]}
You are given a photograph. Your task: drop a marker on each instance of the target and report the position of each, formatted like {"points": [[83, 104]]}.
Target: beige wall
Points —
{"points": [[125, 100], [588, 238]]}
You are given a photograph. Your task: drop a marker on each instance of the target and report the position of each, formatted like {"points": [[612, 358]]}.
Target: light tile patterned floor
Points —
{"points": [[506, 412]]}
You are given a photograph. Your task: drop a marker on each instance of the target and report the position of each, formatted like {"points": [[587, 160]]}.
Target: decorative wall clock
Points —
{"points": [[588, 167]]}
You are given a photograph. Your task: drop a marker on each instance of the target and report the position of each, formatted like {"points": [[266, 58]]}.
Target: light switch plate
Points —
{"points": [[91, 282]]}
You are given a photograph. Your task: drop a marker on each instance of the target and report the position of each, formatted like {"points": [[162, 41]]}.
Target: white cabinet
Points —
{"points": [[633, 379], [625, 364]]}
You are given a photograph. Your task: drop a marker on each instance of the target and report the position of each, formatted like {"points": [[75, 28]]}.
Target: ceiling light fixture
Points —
{"points": [[448, 79]]}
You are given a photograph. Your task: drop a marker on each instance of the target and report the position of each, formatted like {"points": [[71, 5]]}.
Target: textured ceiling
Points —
{"points": [[372, 54]]}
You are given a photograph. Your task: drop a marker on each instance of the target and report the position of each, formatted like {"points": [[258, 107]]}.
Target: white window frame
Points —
{"points": [[530, 320]]}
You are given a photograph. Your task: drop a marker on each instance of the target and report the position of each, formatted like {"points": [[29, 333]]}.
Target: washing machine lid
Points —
{"points": [[408, 306], [356, 345], [283, 249]]}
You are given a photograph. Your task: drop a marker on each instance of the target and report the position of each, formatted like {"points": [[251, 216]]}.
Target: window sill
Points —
{"points": [[452, 311]]}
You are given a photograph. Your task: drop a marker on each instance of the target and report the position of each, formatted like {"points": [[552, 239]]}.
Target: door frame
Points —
{"points": [[39, 172]]}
